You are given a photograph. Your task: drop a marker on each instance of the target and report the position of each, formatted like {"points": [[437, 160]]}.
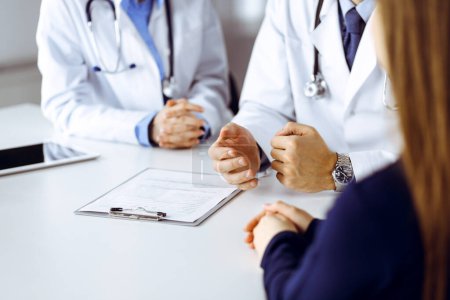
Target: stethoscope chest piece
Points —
{"points": [[169, 87], [316, 88]]}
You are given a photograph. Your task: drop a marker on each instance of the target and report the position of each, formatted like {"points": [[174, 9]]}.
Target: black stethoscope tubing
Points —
{"points": [[168, 9], [316, 69], [316, 88], [170, 37], [88, 9]]}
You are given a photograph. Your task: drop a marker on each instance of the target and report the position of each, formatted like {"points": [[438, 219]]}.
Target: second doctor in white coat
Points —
{"points": [[351, 120], [120, 107]]}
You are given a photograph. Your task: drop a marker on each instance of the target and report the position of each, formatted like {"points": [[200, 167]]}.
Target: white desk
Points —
{"points": [[47, 252]]}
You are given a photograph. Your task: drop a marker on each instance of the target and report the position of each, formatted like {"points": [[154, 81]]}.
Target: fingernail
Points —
{"points": [[253, 184], [242, 162], [230, 153], [249, 174]]}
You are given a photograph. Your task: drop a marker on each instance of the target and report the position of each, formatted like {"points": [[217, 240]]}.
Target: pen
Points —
{"points": [[121, 209]]}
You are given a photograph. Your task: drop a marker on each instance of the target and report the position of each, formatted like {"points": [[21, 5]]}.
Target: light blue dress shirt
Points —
{"points": [[364, 9], [140, 14]]}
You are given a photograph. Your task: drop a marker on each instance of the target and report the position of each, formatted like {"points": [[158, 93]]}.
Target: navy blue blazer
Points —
{"points": [[369, 247]]}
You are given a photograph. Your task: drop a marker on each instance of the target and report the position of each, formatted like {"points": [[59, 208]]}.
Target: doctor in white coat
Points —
{"points": [[313, 144], [106, 82]]}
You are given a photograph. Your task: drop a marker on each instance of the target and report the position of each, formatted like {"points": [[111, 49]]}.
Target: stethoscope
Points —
{"points": [[316, 88], [168, 82]]}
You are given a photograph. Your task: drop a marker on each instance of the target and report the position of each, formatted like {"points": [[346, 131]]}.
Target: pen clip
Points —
{"points": [[133, 214]]}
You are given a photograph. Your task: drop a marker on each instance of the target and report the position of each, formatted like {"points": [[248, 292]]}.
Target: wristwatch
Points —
{"points": [[343, 172]]}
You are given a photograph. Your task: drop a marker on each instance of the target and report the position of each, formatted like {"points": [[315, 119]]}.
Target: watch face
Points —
{"points": [[344, 174]]}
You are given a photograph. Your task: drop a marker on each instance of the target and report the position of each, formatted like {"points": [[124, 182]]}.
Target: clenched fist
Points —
{"points": [[302, 159]]}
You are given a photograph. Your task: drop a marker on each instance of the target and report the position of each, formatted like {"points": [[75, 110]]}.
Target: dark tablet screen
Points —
{"points": [[35, 154]]}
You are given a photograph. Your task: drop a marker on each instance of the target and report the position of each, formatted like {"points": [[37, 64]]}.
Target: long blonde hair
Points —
{"points": [[417, 42]]}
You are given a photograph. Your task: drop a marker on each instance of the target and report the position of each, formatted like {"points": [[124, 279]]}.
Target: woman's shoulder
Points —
{"points": [[373, 231], [385, 186]]}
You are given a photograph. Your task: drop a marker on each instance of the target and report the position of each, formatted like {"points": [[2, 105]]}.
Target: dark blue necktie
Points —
{"points": [[353, 32]]}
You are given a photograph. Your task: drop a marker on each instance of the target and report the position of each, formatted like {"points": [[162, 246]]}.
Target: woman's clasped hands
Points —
{"points": [[274, 219]]}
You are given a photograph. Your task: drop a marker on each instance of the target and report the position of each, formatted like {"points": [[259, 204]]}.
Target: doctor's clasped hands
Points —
{"points": [[149, 84], [177, 125]]}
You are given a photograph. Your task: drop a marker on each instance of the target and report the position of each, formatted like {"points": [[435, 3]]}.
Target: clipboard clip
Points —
{"points": [[137, 213]]}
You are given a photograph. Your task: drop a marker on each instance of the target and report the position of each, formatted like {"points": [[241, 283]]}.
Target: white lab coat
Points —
{"points": [[96, 105], [351, 119]]}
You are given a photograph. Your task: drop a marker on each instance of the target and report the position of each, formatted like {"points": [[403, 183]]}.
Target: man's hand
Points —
{"points": [[235, 155], [176, 126], [302, 159]]}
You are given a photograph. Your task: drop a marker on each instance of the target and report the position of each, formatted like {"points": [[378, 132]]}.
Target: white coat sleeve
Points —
{"points": [[210, 87], [67, 94], [266, 101], [366, 163]]}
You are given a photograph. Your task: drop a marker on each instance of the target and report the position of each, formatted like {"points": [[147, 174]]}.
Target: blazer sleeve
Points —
{"points": [[266, 103], [339, 264]]}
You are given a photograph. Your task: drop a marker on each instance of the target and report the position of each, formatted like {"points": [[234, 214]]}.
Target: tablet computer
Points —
{"points": [[39, 156]]}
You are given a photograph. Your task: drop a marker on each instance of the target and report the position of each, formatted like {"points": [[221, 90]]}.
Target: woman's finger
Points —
{"points": [[254, 222]]}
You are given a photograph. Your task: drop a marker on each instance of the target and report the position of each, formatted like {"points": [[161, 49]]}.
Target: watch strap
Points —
{"points": [[343, 160]]}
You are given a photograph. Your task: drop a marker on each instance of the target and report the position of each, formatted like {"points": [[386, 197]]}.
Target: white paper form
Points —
{"points": [[171, 192]]}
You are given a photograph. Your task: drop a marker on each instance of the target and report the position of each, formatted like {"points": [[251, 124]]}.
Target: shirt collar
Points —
{"points": [[365, 8], [126, 3]]}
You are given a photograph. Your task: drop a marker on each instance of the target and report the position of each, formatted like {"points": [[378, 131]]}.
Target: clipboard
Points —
{"points": [[115, 204]]}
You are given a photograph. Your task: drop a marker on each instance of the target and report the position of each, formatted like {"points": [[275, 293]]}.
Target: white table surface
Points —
{"points": [[48, 252]]}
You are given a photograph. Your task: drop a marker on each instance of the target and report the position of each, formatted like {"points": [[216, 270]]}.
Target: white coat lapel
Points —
{"points": [[119, 13], [157, 11], [327, 38], [364, 64], [135, 50]]}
